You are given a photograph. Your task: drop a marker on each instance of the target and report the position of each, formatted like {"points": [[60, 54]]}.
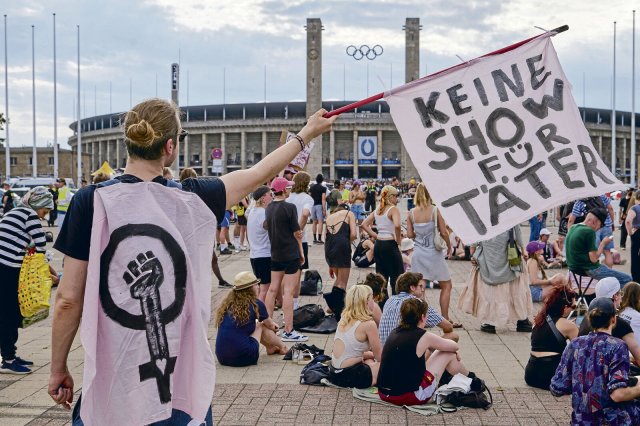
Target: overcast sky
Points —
{"points": [[137, 40]]}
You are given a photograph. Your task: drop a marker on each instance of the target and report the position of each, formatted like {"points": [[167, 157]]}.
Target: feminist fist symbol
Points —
{"points": [[144, 276]]}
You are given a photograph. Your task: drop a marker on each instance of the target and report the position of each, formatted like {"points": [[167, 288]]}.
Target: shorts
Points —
{"points": [[536, 293], [242, 220], [261, 267], [357, 376], [305, 250], [226, 220], [317, 213], [605, 231], [358, 211], [288, 266], [417, 397]]}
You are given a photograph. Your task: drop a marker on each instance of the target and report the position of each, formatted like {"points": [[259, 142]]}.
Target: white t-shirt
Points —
{"points": [[301, 201], [633, 318], [258, 237]]}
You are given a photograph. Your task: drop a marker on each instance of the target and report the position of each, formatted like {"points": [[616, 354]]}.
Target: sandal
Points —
{"points": [[456, 325]]}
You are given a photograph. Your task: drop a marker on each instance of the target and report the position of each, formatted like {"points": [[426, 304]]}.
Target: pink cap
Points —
{"points": [[279, 184]]}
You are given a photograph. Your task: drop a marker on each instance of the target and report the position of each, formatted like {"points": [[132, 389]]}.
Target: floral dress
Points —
{"points": [[592, 367]]}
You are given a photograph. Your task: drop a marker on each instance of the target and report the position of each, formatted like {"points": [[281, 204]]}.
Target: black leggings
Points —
{"points": [[635, 256], [388, 261], [540, 371], [10, 317]]}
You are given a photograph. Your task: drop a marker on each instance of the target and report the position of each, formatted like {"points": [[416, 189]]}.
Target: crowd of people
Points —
{"points": [[381, 337]]}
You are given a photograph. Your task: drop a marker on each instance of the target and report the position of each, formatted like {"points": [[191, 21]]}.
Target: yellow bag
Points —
{"points": [[34, 288]]}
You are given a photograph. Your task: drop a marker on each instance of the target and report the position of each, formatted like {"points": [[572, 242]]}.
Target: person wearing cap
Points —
{"points": [[64, 199], [243, 324], [609, 288], [287, 255], [259, 244], [18, 229], [551, 257], [580, 210], [632, 224], [539, 284], [583, 253], [594, 370]]}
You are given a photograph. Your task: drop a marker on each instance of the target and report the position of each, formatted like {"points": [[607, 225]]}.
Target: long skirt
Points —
{"points": [[497, 304]]}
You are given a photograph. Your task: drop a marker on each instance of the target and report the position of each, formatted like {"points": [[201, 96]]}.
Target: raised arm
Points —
{"points": [[240, 183], [366, 226]]}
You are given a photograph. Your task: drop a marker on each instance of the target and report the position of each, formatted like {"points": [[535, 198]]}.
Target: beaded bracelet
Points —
{"points": [[302, 145]]}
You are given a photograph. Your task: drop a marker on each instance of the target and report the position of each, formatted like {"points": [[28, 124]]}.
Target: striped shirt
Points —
{"points": [[17, 229]]}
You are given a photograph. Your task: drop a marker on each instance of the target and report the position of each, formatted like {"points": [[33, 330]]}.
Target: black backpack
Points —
{"points": [[593, 203], [315, 371], [478, 397], [311, 284], [307, 316]]}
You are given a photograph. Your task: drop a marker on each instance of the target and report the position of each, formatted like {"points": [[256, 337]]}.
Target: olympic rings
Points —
{"points": [[364, 51]]}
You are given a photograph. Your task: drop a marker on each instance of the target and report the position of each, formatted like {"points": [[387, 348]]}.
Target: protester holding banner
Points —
{"points": [[498, 291], [18, 228], [388, 237], [423, 222], [152, 134]]}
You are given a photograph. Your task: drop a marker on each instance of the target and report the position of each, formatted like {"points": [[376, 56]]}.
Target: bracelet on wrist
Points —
{"points": [[301, 141]]}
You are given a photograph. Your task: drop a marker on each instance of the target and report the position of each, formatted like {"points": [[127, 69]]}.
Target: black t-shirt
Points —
{"points": [[282, 222], [371, 195], [8, 204], [624, 203], [74, 239], [316, 191], [401, 371], [621, 329]]}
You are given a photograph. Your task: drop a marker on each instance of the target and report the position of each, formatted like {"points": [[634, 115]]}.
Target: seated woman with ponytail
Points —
{"points": [[594, 369]]}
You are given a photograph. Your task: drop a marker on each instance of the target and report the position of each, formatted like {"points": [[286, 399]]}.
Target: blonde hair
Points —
{"points": [[237, 304], [301, 182], [355, 305], [187, 173], [149, 125], [422, 197], [385, 194]]}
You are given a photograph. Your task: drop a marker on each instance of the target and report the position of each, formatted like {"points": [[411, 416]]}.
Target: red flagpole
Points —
{"points": [[379, 96]]}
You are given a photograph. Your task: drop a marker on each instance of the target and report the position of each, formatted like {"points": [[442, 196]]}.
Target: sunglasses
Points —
{"points": [[182, 135]]}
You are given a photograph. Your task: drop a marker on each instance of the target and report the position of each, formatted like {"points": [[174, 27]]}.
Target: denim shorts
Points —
{"points": [[605, 231], [536, 293], [225, 222], [317, 213], [358, 211]]}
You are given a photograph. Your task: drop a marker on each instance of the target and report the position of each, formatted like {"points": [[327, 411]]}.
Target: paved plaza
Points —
{"points": [[269, 393]]}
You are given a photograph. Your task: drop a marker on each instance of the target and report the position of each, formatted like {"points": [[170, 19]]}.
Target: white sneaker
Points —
{"points": [[293, 336], [244, 248]]}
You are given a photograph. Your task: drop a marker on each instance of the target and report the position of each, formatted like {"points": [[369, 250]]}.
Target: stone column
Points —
{"points": [[118, 160], [100, 159], [187, 162], [332, 155], [412, 49], [243, 150], [600, 144], [314, 86], [264, 144], [203, 154], [223, 147], [379, 153], [355, 154], [93, 157], [108, 152], [623, 166]]}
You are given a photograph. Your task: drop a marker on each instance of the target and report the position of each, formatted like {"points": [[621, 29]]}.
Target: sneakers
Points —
{"points": [[21, 361], [13, 368], [224, 284], [293, 336], [225, 251], [244, 248], [524, 326], [488, 328]]}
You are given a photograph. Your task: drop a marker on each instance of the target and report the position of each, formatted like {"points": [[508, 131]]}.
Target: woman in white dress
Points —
{"points": [[422, 224]]}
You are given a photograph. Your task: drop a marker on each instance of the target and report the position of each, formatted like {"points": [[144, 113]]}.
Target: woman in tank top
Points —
{"points": [[632, 223], [551, 330], [356, 348], [388, 237]]}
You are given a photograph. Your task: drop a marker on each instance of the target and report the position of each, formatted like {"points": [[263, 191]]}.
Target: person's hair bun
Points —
{"points": [[141, 133]]}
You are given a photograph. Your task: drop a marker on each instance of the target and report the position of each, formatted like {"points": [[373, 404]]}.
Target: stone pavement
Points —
{"points": [[269, 392]]}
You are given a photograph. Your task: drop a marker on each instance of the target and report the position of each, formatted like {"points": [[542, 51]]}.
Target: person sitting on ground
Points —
{"points": [[356, 347], [413, 359], [610, 288], [582, 253], [558, 250], [594, 369], [552, 259], [411, 285], [540, 284], [549, 336], [630, 307], [406, 248], [243, 324], [379, 286]]}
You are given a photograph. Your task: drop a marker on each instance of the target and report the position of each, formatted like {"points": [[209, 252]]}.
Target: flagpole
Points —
{"points": [[55, 105], [79, 122], [379, 96], [613, 107], [633, 103], [34, 158], [7, 154]]}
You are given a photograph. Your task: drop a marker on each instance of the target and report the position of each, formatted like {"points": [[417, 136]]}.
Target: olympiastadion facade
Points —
{"points": [[363, 144]]}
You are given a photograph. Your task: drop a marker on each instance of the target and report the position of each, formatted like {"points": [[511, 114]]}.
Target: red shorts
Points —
{"points": [[411, 398]]}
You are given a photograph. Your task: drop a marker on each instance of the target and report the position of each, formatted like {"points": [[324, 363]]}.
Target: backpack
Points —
{"points": [[314, 372], [593, 203], [478, 397], [307, 315], [312, 283]]}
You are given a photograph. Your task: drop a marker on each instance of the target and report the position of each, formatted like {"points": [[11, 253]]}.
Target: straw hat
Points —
{"points": [[244, 280]]}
